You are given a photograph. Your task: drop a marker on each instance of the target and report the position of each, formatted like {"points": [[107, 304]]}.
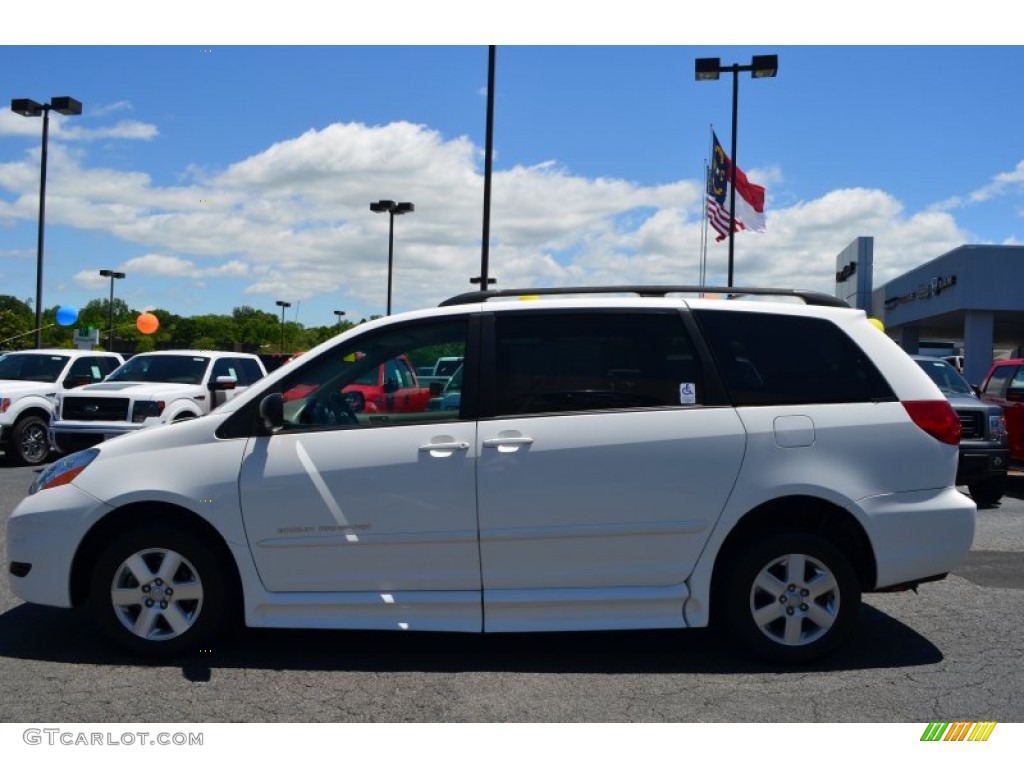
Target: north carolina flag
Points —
{"points": [[749, 197]]}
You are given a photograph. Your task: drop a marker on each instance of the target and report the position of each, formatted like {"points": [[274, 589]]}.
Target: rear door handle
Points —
{"points": [[456, 445], [497, 442]]}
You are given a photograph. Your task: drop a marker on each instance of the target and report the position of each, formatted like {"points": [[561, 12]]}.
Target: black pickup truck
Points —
{"points": [[984, 445]]}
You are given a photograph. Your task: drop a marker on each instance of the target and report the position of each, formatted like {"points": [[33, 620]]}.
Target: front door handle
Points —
{"points": [[443, 449]]}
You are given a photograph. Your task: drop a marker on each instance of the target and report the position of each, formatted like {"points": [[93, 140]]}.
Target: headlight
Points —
{"points": [[64, 470], [144, 409]]}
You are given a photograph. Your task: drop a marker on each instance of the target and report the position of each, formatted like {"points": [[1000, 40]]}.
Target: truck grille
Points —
{"points": [[95, 409], [971, 425]]}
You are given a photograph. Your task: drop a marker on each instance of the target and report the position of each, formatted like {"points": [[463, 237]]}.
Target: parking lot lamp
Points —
{"points": [[283, 305], [113, 276], [393, 209], [29, 108], [709, 69]]}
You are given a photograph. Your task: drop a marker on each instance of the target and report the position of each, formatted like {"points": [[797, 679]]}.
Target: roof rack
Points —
{"points": [[815, 298]]}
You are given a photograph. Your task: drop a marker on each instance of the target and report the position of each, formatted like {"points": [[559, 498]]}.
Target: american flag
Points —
{"points": [[750, 197]]}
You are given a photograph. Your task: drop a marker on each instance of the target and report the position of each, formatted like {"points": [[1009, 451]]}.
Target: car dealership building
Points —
{"points": [[972, 296]]}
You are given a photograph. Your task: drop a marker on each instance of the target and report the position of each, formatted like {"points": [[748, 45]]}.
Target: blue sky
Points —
{"points": [[220, 175]]}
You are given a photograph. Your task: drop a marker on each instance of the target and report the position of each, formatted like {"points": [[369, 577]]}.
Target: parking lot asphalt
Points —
{"points": [[952, 651]]}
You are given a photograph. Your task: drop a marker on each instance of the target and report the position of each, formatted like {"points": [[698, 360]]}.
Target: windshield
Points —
{"points": [[42, 368], [946, 376], [170, 369]]}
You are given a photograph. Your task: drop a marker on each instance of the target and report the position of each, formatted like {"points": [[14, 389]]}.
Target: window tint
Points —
{"points": [[768, 359], [227, 366], [41, 368], [996, 384], [174, 369], [85, 370], [251, 369], [946, 377], [577, 361], [372, 382], [1018, 379]]}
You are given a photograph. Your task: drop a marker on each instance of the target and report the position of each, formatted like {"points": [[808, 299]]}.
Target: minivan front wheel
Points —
{"points": [[159, 592], [792, 598]]}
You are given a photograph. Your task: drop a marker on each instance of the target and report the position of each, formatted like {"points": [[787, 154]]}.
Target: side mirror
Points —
{"points": [[272, 411], [436, 388], [356, 401], [77, 381], [224, 382]]}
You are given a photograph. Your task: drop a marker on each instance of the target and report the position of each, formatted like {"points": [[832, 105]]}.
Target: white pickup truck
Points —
{"points": [[29, 381], [150, 389]]}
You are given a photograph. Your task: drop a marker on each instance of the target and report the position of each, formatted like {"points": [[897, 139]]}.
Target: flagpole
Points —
{"points": [[704, 231], [732, 170]]}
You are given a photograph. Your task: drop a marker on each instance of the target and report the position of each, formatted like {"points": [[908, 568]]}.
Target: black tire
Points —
{"points": [[791, 598], [29, 443], [987, 493], [175, 593]]}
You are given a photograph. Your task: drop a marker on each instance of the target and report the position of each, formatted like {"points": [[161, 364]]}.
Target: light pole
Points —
{"points": [[113, 276], [394, 209], [29, 108], [283, 305], [339, 313], [710, 69], [479, 281]]}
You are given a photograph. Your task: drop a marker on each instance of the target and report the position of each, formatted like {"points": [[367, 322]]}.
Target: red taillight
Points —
{"points": [[937, 418]]}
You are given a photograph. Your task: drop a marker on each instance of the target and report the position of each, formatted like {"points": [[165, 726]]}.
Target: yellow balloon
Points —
{"points": [[877, 323]]}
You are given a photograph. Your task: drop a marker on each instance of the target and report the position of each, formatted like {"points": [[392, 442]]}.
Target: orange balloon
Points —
{"points": [[147, 323]]}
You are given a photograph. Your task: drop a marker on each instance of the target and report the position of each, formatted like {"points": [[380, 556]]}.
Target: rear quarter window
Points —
{"points": [[768, 359]]}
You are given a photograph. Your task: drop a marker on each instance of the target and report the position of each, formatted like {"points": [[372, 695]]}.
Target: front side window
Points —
{"points": [[86, 370], [996, 384], [769, 359], [371, 381], [227, 366], [552, 362]]}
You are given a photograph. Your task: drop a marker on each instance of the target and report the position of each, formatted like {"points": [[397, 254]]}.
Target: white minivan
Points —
{"points": [[623, 457]]}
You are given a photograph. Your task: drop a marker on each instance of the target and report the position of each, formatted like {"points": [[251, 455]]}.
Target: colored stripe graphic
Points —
{"points": [[958, 731]]}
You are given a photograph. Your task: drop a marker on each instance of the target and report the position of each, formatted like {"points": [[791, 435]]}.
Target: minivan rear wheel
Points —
{"points": [[792, 598]]}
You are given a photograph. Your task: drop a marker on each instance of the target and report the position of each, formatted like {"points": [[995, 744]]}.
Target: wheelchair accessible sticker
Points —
{"points": [[687, 393]]}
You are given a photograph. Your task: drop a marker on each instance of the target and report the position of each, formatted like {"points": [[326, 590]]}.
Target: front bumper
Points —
{"points": [[67, 436], [43, 534], [978, 463]]}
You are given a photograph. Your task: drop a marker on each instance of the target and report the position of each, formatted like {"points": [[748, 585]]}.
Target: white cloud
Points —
{"points": [[1001, 184], [294, 222], [126, 129]]}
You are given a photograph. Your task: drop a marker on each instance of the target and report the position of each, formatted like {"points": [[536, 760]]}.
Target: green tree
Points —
{"points": [[17, 321]]}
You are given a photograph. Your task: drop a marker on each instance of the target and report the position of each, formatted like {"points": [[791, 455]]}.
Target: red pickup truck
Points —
{"points": [[391, 387]]}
